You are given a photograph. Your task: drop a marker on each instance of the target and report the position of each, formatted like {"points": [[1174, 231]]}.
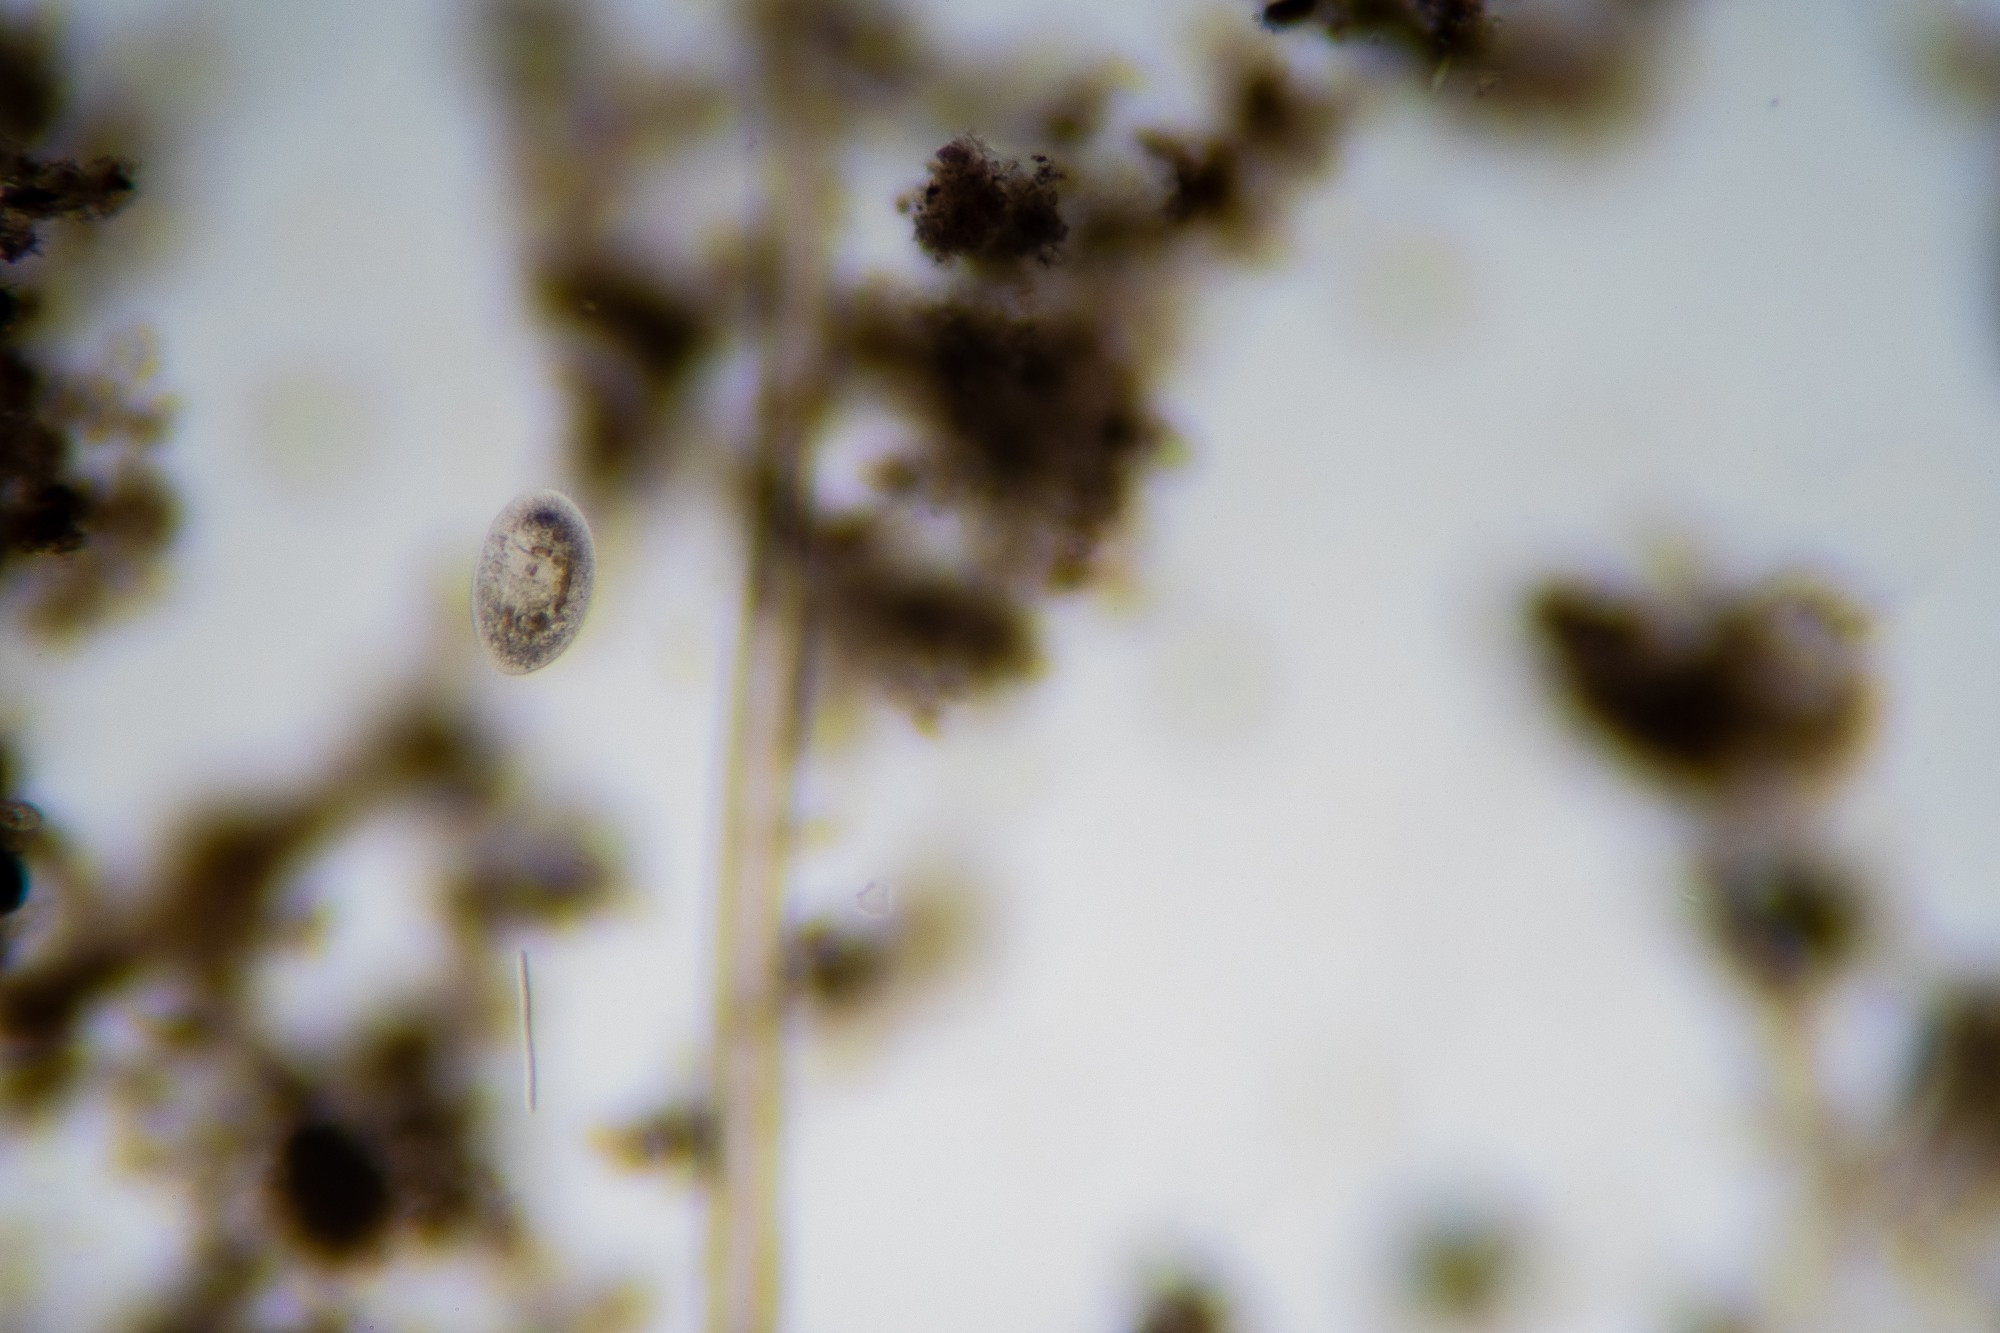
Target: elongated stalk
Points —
{"points": [[771, 716]]}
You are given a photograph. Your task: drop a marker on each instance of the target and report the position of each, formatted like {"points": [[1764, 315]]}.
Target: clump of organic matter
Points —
{"points": [[1786, 920], [332, 1187], [1712, 687], [983, 207], [685, 1135], [1954, 1094]]}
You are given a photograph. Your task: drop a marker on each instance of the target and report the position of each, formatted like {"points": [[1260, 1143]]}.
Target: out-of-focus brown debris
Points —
{"points": [[1463, 1267], [925, 637], [1037, 423], [354, 1150], [1435, 29], [532, 867], [839, 965], [1583, 66], [84, 515], [1713, 688], [1233, 179], [590, 123], [1954, 1095], [331, 1187], [983, 207], [1185, 1304], [852, 970], [684, 1135], [842, 57], [1785, 919], [38, 187], [633, 340]]}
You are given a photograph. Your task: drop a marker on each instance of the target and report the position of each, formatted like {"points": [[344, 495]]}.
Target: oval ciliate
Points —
{"points": [[532, 585]]}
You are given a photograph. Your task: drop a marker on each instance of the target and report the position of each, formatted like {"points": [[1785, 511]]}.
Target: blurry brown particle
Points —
{"points": [[984, 207], [1712, 688]]}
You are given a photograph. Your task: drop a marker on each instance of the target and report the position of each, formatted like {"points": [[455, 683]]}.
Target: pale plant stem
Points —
{"points": [[771, 720]]}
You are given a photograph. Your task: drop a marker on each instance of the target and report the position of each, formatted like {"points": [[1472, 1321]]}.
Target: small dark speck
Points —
{"points": [[1774, 104]]}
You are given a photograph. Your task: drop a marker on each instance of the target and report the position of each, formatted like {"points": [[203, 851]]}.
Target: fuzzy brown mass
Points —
{"points": [[1711, 689], [984, 207], [1038, 422], [35, 191]]}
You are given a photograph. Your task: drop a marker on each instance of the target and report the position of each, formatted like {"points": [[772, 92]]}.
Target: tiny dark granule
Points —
{"points": [[333, 1188], [984, 207]]}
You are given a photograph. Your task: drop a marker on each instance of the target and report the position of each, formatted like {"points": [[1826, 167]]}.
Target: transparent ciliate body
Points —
{"points": [[532, 586]]}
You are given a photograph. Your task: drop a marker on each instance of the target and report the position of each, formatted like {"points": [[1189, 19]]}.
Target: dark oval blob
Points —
{"points": [[533, 582], [13, 882], [332, 1187]]}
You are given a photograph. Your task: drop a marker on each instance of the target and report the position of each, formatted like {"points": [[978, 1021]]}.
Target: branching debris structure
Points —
{"points": [[1749, 706], [84, 514], [297, 1164], [136, 994], [1022, 359], [1020, 365]]}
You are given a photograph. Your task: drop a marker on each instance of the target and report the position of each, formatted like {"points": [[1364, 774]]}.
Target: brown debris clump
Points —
{"points": [[633, 341], [1272, 133], [1463, 1267], [1556, 68], [38, 190], [1787, 920], [1038, 423], [1435, 29], [685, 1136], [83, 514], [1712, 689], [1184, 1304], [1954, 1096], [925, 637], [982, 207], [332, 1188]]}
